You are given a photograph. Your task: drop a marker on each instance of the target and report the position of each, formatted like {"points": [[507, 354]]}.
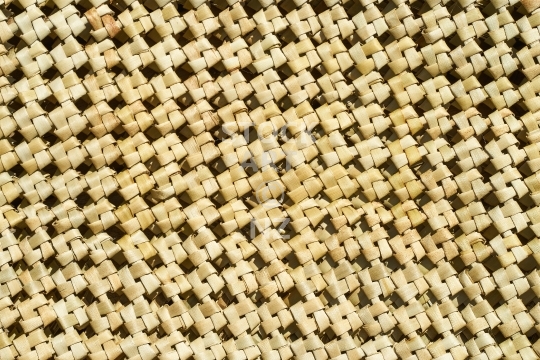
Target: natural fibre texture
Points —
{"points": [[288, 179]]}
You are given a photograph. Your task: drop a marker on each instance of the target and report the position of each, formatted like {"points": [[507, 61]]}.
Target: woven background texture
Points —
{"points": [[269, 179]]}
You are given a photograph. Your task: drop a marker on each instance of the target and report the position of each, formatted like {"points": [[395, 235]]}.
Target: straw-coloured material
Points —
{"points": [[274, 179]]}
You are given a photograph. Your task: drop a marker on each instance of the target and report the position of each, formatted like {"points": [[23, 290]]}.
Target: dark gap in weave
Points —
{"points": [[16, 138], [518, 110], [81, 39], [116, 199], [51, 201], [48, 9], [16, 202], [15, 105], [83, 230], [82, 72], [17, 4], [518, 45], [319, 6], [118, 165], [116, 233], [148, 72], [181, 9], [85, 167], [82, 105], [517, 78], [484, 42], [49, 42], [116, 102], [83, 6], [484, 110], [50, 103], [484, 78], [82, 200], [117, 69]]}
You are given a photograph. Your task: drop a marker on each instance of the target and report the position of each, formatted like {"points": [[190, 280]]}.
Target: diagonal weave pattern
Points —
{"points": [[275, 179]]}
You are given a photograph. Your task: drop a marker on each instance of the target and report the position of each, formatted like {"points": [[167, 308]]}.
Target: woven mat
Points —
{"points": [[274, 179]]}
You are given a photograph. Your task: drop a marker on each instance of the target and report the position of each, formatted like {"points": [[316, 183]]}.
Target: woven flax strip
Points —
{"points": [[274, 179]]}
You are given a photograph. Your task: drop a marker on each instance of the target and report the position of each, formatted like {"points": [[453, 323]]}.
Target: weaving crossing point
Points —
{"points": [[269, 179]]}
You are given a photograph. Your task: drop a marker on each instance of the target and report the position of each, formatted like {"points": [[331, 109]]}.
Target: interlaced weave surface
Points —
{"points": [[294, 179]]}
